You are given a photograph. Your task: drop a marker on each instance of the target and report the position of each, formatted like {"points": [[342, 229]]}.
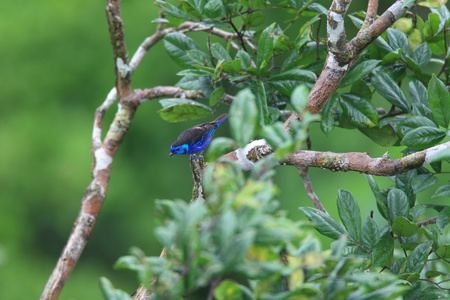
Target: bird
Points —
{"points": [[197, 138]]}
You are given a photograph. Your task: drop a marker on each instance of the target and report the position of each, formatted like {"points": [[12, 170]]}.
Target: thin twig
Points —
{"points": [[303, 172]]}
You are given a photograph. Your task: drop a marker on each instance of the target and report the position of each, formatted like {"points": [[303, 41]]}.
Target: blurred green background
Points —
{"points": [[56, 67]]}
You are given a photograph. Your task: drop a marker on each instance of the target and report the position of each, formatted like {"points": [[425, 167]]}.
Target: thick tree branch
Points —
{"points": [[341, 55], [353, 161], [103, 153]]}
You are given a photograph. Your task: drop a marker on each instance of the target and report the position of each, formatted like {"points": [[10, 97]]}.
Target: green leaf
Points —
{"points": [[179, 110], [418, 92], [178, 45], [323, 222], [244, 117], [245, 59], [439, 98], [413, 65], [359, 71], [434, 273], [397, 203], [216, 96], [422, 182], [379, 197], [214, 9], [391, 57], [286, 82], [219, 52], [228, 290], [443, 251], [384, 136], [389, 89], [299, 98], [218, 70], [218, 147], [404, 227], [443, 219], [397, 39], [110, 293], [443, 191], [277, 137], [282, 44], [254, 19], [233, 66], [423, 137], [265, 48], [171, 10], [261, 101], [328, 114], [384, 250], [421, 55], [369, 234], [417, 259], [413, 122], [360, 112], [350, 215]]}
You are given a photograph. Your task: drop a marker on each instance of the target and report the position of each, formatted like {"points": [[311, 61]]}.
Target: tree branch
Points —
{"points": [[353, 161], [103, 153], [303, 172]]}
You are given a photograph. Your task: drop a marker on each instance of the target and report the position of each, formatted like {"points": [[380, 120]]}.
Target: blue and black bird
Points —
{"points": [[197, 138]]}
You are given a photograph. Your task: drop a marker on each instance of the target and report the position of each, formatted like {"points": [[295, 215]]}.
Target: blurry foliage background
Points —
{"points": [[56, 67]]}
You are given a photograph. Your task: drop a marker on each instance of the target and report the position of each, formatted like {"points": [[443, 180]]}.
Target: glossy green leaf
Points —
{"points": [[265, 48], [171, 10], [286, 82], [413, 122], [323, 222], [417, 259], [397, 203], [443, 191], [383, 251], [179, 110], [216, 96], [403, 227], [359, 71], [349, 213], [410, 277], [443, 219], [379, 197], [360, 112], [391, 57], [178, 45], [198, 5], [214, 9], [418, 92], [369, 234], [421, 55], [397, 39], [439, 98], [244, 117], [389, 89], [328, 114], [413, 65], [422, 182], [423, 137]]}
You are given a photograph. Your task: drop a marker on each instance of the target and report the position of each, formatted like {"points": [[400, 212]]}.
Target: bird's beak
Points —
{"points": [[171, 153]]}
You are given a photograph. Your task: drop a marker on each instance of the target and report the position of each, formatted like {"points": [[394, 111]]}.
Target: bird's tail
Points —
{"points": [[220, 119]]}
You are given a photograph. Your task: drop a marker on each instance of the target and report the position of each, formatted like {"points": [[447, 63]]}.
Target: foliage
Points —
{"points": [[234, 243]]}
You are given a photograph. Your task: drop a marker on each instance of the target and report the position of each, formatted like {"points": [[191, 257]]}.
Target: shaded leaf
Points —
{"points": [[422, 182], [417, 259], [388, 88], [349, 213], [404, 227], [443, 219], [397, 203], [439, 98], [323, 222], [179, 110], [244, 115], [361, 112], [369, 234], [384, 250], [178, 45]]}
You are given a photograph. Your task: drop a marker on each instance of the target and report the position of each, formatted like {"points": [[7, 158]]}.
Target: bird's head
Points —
{"points": [[181, 149]]}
